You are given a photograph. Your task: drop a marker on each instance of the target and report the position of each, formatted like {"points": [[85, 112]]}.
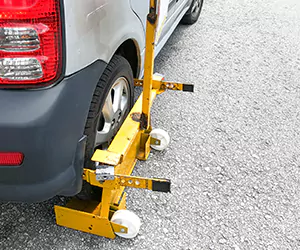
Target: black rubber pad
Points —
{"points": [[161, 186], [188, 88]]}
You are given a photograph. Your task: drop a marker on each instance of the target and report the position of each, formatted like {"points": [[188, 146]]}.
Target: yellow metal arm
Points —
{"points": [[154, 184], [149, 62], [161, 85]]}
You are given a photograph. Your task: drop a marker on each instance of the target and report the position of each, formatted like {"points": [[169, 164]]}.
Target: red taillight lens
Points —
{"points": [[30, 42], [19, 4], [11, 158]]}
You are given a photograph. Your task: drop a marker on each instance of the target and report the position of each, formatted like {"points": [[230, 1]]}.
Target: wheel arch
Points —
{"points": [[129, 49]]}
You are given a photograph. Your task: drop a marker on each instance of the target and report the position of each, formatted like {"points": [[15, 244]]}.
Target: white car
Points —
{"points": [[66, 85]]}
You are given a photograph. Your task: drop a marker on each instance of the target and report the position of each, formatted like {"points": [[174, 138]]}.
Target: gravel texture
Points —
{"points": [[234, 158]]}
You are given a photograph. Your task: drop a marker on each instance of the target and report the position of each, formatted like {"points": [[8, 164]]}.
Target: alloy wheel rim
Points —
{"points": [[113, 113]]}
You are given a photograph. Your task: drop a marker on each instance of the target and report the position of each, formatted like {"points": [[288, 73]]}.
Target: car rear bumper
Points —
{"points": [[47, 126]]}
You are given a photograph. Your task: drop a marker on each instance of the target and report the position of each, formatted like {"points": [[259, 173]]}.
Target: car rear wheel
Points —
{"points": [[193, 13], [111, 103]]}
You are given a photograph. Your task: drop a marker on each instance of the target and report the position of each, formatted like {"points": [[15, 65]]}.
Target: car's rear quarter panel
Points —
{"points": [[96, 28]]}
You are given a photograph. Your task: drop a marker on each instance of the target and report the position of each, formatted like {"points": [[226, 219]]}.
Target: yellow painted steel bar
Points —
{"points": [[127, 181], [149, 62], [162, 86], [105, 203], [84, 216]]}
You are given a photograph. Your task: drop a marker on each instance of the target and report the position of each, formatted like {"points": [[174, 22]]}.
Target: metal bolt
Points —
{"points": [[137, 183], [156, 142], [122, 230]]}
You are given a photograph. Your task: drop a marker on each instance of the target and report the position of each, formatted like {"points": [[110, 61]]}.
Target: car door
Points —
{"points": [[141, 9]]}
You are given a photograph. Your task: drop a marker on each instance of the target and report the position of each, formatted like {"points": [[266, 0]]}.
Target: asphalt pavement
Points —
{"points": [[234, 158]]}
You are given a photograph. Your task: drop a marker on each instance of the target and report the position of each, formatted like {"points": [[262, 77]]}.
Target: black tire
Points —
{"points": [[117, 67], [192, 15]]}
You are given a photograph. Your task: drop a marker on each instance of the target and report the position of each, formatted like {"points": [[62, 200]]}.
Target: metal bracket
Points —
{"points": [[107, 157], [176, 86], [152, 16], [141, 118], [154, 141], [105, 172], [163, 85], [119, 228], [104, 178], [154, 184]]}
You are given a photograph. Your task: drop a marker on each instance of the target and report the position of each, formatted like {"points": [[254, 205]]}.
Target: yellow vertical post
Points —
{"points": [[105, 203], [149, 62]]}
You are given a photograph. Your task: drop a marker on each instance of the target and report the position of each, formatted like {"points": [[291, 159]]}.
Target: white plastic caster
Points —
{"points": [[128, 219], [161, 135]]}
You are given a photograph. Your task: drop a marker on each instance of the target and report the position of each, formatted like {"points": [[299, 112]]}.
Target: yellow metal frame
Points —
{"points": [[131, 143]]}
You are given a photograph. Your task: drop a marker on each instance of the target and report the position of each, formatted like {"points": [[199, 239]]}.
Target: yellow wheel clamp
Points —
{"points": [[109, 217]]}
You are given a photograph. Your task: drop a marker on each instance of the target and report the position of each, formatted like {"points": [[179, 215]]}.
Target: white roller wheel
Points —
{"points": [[161, 135], [127, 219]]}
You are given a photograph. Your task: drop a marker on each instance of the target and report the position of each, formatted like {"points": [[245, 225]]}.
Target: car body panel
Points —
{"points": [[93, 34], [96, 28]]}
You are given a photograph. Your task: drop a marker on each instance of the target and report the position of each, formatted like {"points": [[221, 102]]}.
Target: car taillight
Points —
{"points": [[11, 158], [30, 42]]}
